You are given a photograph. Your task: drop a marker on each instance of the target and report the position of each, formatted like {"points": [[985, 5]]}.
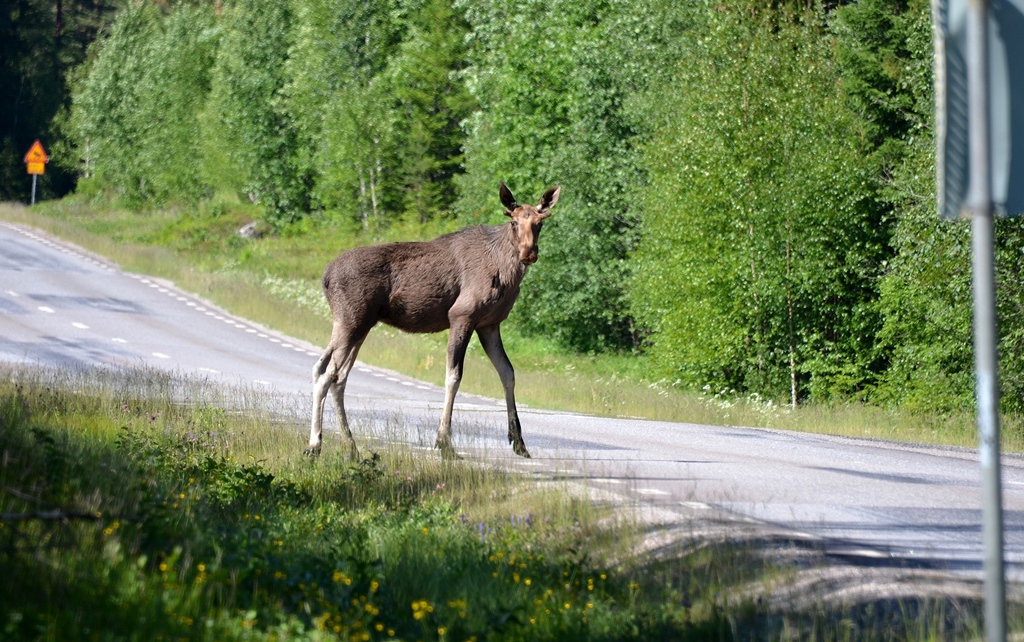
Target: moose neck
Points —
{"points": [[505, 251]]}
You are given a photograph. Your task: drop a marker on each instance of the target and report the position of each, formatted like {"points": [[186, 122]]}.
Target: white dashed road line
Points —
{"points": [[47, 242], [162, 289]]}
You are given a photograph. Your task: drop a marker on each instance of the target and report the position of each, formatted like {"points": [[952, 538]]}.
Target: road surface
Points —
{"points": [[873, 501]]}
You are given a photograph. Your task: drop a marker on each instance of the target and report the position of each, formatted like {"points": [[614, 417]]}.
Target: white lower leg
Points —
{"points": [[320, 387], [444, 432]]}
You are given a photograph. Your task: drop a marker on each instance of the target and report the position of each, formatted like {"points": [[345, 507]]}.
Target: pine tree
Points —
{"points": [[431, 101]]}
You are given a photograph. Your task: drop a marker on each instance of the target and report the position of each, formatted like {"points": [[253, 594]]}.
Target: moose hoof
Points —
{"points": [[447, 451], [520, 449], [312, 452]]}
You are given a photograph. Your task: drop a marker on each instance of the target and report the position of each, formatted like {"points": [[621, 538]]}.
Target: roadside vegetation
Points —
{"points": [[139, 506]]}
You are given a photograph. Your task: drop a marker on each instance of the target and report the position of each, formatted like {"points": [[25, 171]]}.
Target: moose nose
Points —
{"points": [[530, 257]]}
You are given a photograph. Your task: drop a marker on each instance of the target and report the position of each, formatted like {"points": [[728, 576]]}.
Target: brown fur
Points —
{"points": [[463, 281]]}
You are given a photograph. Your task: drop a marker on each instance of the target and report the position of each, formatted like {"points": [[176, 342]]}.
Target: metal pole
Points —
{"points": [[34, 177], [985, 332]]}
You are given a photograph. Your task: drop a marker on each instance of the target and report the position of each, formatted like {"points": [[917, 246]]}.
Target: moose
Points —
{"points": [[464, 281]]}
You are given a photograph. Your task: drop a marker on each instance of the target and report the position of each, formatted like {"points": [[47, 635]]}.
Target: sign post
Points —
{"points": [[980, 208], [36, 160], [979, 131]]}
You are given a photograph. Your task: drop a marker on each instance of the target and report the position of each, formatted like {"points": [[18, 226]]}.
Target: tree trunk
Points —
{"points": [[364, 214], [792, 342]]}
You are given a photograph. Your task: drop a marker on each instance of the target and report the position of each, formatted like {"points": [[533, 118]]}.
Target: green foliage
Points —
{"points": [[552, 80], [108, 129], [761, 247], [431, 102], [885, 51], [247, 81], [135, 116], [521, 73], [341, 105], [927, 301], [880, 48]]}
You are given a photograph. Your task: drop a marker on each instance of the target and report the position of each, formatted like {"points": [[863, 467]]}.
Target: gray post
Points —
{"points": [[985, 333], [34, 177]]}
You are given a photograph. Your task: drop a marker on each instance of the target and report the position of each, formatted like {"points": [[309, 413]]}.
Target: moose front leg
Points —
{"points": [[458, 340], [490, 339]]}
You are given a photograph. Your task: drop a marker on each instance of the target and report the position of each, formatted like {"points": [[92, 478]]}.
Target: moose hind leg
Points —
{"points": [[490, 339], [323, 376], [338, 395], [330, 372]]}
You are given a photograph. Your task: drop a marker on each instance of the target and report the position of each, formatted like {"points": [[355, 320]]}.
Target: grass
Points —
{"points": [[269, 279], [140, 506]]}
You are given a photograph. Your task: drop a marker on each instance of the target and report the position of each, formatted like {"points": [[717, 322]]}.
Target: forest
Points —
{"points": [[748, 188]]}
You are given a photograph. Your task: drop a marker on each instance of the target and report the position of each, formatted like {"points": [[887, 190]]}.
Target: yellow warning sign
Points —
{"points": [[36, 159]]}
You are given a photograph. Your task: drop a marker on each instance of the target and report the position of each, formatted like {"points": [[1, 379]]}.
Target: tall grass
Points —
{"points": [[270, 279], [140, 506]]}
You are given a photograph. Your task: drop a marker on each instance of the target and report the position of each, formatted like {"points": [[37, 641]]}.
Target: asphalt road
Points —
{"points": [[870, 501]]}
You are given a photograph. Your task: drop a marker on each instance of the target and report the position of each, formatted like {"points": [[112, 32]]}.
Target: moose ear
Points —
{"points": [[507, 199], [550, 198]]}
